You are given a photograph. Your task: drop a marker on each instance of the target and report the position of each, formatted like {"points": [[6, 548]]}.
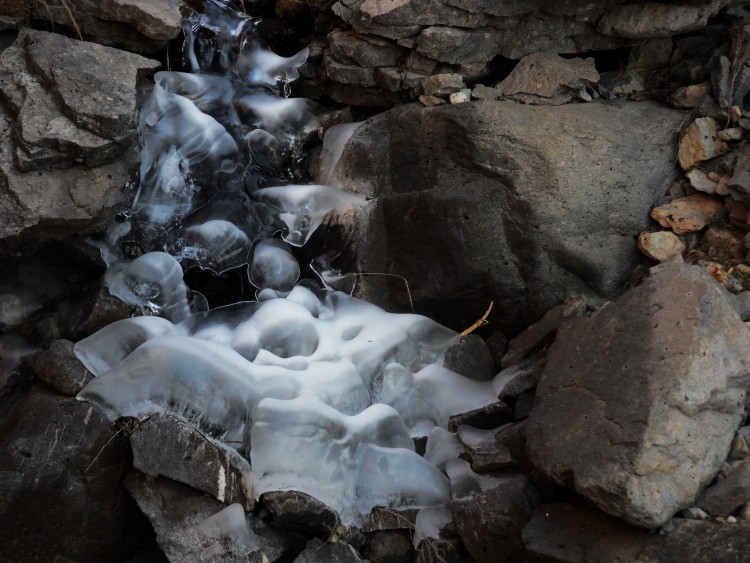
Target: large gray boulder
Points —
{"points": [[525, 206], [71, 108], [638, 404]]}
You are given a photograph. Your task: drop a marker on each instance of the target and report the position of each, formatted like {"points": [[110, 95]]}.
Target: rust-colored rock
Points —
{"points": [[688, 214], [661, 245]]}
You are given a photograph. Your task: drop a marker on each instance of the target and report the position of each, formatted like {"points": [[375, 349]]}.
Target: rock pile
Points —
{"points": [[381, 51], [623, 392]]}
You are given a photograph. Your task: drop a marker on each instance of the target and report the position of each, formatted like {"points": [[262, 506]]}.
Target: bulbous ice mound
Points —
{"points": [[325, 392]]}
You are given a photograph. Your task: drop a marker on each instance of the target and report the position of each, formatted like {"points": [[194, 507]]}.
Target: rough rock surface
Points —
{"points": [[176, 513], [298, 511], [490, 523], [563, 533], [60, 369], [731, 491], [138, 25], [72, 107], [60, 476], [415, 39], [480, 202], [657, 382], [168, 447]]}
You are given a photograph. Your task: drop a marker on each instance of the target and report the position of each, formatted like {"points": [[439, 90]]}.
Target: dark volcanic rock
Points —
{"points": [[60, 369], [480, 202], [168, 447], [490, 523], [562, 533], [293, 510], [319, 552], [72, 107], [731, 491], [657, 383], [178, 515], [471, 358], [491, 416], [60, 475], [390, 546]]}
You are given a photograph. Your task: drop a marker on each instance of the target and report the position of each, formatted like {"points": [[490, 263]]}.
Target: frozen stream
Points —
{"points": [[323, 392]]}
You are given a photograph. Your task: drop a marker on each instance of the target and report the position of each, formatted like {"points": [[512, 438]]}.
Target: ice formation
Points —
{"points": [[323, 392]]}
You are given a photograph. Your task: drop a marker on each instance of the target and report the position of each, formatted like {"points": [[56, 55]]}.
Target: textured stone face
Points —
{"points": [[638, 404], [485, 202], [71, 107]]}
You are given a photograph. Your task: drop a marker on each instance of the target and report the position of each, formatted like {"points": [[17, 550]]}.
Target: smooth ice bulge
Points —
{"points": [[323, 391]]}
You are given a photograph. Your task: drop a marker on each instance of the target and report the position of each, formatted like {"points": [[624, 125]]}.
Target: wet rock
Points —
{"points": [[691, 96], [562, 533], [657, 410], [661, 245], [688, 214], [60, 369], [389, 546], [71, 112], [731, 491], [292, 510], [168, 447], [500, 237], [139, 25], [381, 518], [491, 416], [61, 469], [177, 512], [546, 78], [318, 552], [651, 20], [471, 358], [542, 332], [490, 523], [700, 142]]}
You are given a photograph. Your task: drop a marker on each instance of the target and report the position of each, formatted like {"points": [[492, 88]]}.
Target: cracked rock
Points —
{"points": [[658, 383]]}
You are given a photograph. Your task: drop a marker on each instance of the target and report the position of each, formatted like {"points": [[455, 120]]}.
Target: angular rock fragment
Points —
{"points": [[471, 358], [700, 142], [298, 511], [661, 245], [318, 552], [691, 96], [389, 546], [731, 491], [490, 522], [701, 181], [658, 382], [179, 517], [546, 78], [688, 214], [441, 85], [168, 447], [541, 333], [60, 369]]}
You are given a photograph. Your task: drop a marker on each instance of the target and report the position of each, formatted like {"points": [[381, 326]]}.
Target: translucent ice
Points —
{"points": [[351, 463], [109, 346], [302, 208], [230, 526], [273, 266], [334, 141], [152, 282]]}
